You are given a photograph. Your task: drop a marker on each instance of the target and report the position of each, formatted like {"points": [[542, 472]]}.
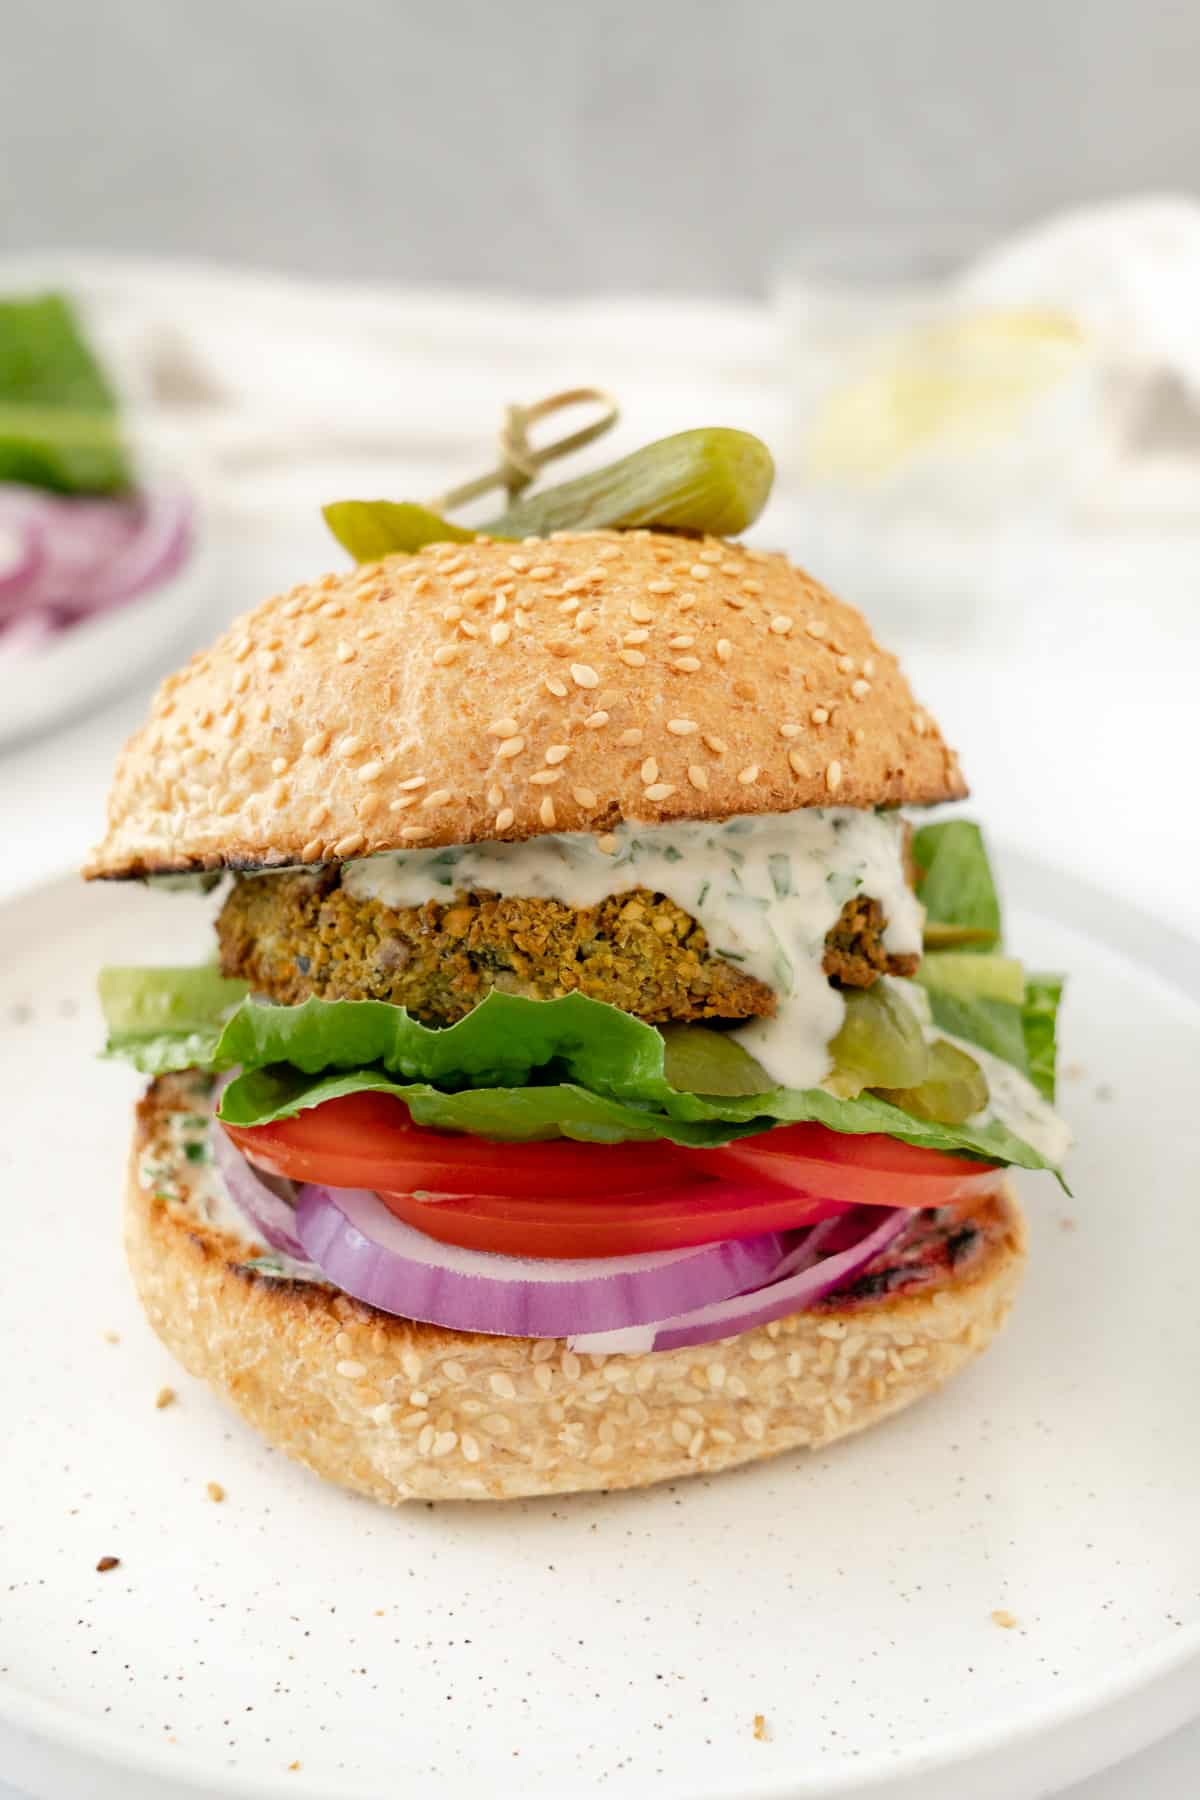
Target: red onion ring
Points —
{"points": [[22, 551], [270, 1215], [365, 1250], [804, 1286]]}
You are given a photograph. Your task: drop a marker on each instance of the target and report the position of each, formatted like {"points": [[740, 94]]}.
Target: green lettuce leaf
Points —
{"points": [[955, 885], [165, 1019], [1039, 1022], [58, 414], [514, 1068]]}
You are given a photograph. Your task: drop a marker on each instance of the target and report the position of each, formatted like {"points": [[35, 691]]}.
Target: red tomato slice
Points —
{"points": [[871, 1170], [699, 1212], [369, 1140]]}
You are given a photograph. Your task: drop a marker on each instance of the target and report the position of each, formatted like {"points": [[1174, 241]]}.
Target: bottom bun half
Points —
{"points": [[405, 1411]]}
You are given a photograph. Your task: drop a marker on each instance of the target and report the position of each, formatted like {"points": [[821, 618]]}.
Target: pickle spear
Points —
{"points": [[715, 480], [881, 1043]]}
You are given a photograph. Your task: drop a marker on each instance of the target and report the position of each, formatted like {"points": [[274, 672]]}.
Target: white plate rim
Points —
{"points": [[1136, 934]]}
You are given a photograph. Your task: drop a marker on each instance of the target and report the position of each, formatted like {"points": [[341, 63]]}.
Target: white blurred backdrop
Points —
{"points": [[562, 147]]}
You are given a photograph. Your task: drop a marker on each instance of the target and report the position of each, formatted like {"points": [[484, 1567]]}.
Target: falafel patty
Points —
{"points": [[301, 933]]}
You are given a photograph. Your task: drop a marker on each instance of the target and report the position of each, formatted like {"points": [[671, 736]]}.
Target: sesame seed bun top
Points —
{"points": [[499, 690]]}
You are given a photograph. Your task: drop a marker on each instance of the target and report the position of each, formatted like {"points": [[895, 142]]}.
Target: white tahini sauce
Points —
{"points": [[766, 890]]}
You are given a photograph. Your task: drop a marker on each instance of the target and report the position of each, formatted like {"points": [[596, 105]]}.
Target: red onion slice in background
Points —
{"points": [[369, 1253]]}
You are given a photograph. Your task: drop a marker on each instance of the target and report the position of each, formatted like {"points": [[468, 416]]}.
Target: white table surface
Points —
{"points": [[1081, 750]]}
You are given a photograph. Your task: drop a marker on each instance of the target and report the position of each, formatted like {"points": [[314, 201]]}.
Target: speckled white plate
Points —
{"points": [[295, 1641]]}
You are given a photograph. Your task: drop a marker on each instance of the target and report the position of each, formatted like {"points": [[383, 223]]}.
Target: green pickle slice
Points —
{"points": [[700, 1061], [881, 1043], [953, 1090], [714, 479]]}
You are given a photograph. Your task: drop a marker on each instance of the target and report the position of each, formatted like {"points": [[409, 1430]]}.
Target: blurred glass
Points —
{"points": [[937, 444]]}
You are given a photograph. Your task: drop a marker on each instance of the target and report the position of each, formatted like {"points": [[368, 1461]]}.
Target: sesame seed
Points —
{"points": [[683, 642], [846, 664], [649, 770], [576, 583], [504, 818], [643, 614], [634, 658], [859, 735], [682, 727], [699, 572], [572, 1368], [311, 851], [403, 804], [318, 815], [546, 777], [569, 606], [452, 613], [445, 1442], [345, 652], [638, 636], [607, 843], [554, 686], [869, 665], [502, 1386], [370, 771], [546, 813], [519, 563], [688, 664], [412, 834], [630, 737], [584, 676], [583, 796], [306, 635], [609, 554], [503, 728], [698, 776], [816, 628], [781, 624], [470, 1448], [349, 746], [242, 650], [348, 846], [369, 807], [790, 730], [556, 753], [660, 587], [833, 776], [495, 796], [241, 759], [686, 602], [450, 565], [500, 632], [439, 797], [918, 723], [736, 601], [860, 688], [541, 572], [445, 653], [748, 775], [715, 744], [660, 790], [585, 620], [425, 1441], [352, 1371], [595, 720], [819, 715], [512, 746], [500, 604], [467, 629]]}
